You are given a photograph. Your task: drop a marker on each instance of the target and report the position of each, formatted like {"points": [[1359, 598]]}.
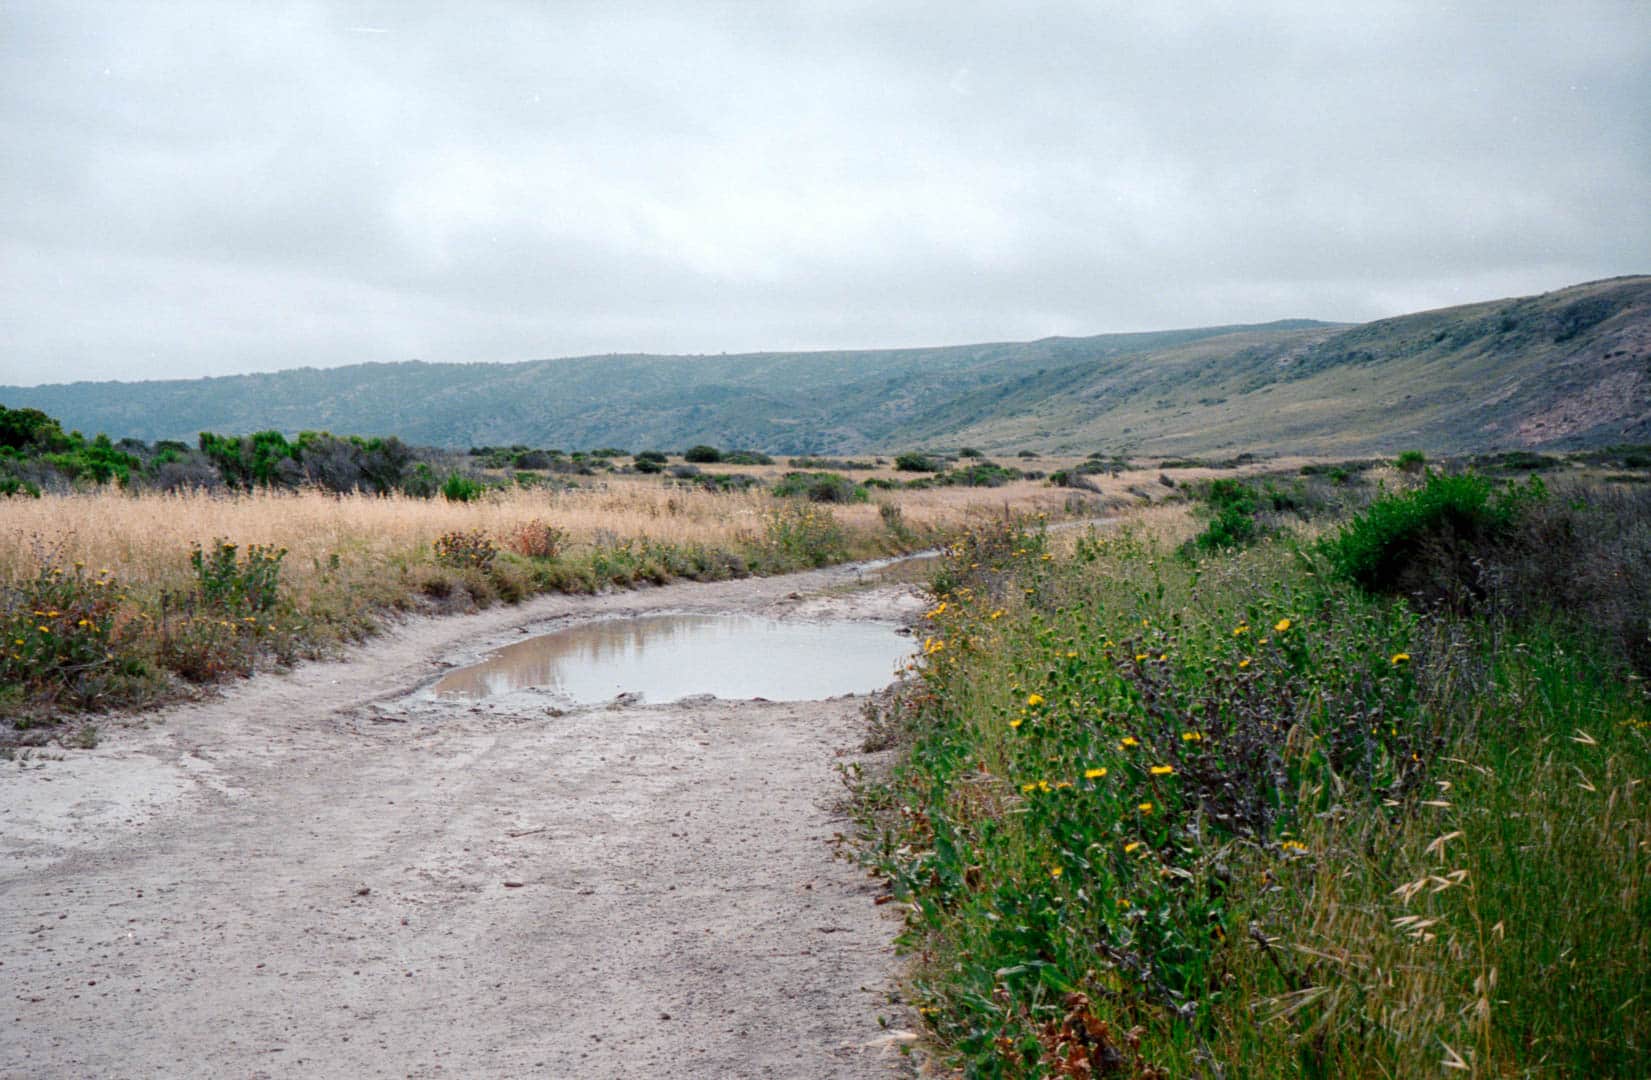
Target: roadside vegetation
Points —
{"points": [[185, 566], [1323, 779]]}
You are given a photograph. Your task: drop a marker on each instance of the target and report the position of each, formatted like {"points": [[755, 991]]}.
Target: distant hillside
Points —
{"points": [[1565, 369], [785, 402]]}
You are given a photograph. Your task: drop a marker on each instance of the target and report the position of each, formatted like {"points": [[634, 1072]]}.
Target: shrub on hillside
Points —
{"points": [[746, 457], [702, 454], [460, 488], [915, 462], [820, 487], [1424, 543]]}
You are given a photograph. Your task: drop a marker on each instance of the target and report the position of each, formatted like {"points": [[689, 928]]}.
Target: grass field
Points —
{"points": [[1165, 811], [107, 605]]}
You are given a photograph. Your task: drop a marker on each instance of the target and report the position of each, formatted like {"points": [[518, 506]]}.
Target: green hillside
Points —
{"points": [[1568, 368]]}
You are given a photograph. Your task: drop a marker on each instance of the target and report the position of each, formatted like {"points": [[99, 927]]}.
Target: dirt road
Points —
{"points": [[317, 874]]}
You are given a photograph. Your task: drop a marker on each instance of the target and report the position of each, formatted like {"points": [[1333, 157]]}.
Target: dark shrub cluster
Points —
{"points": [[820, 487]]}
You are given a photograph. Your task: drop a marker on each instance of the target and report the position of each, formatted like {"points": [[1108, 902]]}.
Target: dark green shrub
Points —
{"points": [[983, 474], [460, 488], [656, 456], [421, 482], [11, 485], [648, 465], [702, 454], [1232, 505], [915, 462], [820, 487], [746, 457], [970, 452], [1410, 461], [1424, 542]]}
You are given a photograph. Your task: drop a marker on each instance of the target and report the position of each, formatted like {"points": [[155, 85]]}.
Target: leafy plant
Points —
{"points": [[1423, 542], [460, 488], [239, 585], [465, 550], [820, 487], [916, 462]]}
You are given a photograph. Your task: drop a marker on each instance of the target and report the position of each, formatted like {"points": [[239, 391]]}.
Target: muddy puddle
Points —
{"points": [[669, 657]]}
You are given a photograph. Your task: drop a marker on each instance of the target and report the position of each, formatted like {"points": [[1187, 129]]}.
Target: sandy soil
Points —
{"points": [[321, 874]]}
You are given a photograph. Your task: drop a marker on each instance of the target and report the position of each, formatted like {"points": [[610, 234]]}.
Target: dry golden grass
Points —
{"points": [[145, 539]]}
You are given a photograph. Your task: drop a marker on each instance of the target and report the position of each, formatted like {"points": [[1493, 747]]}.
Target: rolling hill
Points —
{"points": [[1568, 368]]}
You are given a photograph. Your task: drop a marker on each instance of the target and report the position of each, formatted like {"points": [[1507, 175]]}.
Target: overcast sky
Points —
{"points": [[193, 189]]}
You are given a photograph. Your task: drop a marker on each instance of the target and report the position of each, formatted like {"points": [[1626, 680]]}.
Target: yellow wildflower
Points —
{"points": [[1127, 741], [1034, 700], [1241, 628], [1244, 663], [1162, 770], [1282, 625], [1145, 808], [1140, 656], [1054, 871], [1027, 789], [1401, 658], [1088, 774], [998, 614], [1192, 736], [1017, 722], [1130, 848]]}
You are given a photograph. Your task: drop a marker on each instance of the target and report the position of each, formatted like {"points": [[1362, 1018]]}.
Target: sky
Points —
{"points": [[216, 188]]}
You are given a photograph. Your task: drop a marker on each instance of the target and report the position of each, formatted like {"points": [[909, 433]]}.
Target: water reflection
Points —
{"points": [[667, 657]]}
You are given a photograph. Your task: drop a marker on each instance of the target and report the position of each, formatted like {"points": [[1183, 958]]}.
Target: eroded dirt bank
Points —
{"points": [[318, 875]]}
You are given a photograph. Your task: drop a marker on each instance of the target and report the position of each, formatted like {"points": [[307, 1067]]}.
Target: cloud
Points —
{"points": [[194, 189]]}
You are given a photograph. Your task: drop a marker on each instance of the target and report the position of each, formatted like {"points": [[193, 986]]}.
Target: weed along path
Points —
{"points": [[338, 872]]}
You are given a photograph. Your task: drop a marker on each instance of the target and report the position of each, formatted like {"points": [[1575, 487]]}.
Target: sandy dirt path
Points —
{"points": [[316, 875]]}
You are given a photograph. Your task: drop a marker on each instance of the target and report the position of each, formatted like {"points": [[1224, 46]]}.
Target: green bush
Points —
{"points": [[1232, 507], [1424, 541], [702, 454], [460, 488], [746, 457], [820, 487], [235, 585], [1410, 461], [648, 465], [915, 462]]}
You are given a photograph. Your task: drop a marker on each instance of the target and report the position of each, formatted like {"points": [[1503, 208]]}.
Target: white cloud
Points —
{"points": [[218, 187]]}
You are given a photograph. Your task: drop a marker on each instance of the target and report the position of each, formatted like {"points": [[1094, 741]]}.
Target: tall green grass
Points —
{"points": [[1234, 816]]}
